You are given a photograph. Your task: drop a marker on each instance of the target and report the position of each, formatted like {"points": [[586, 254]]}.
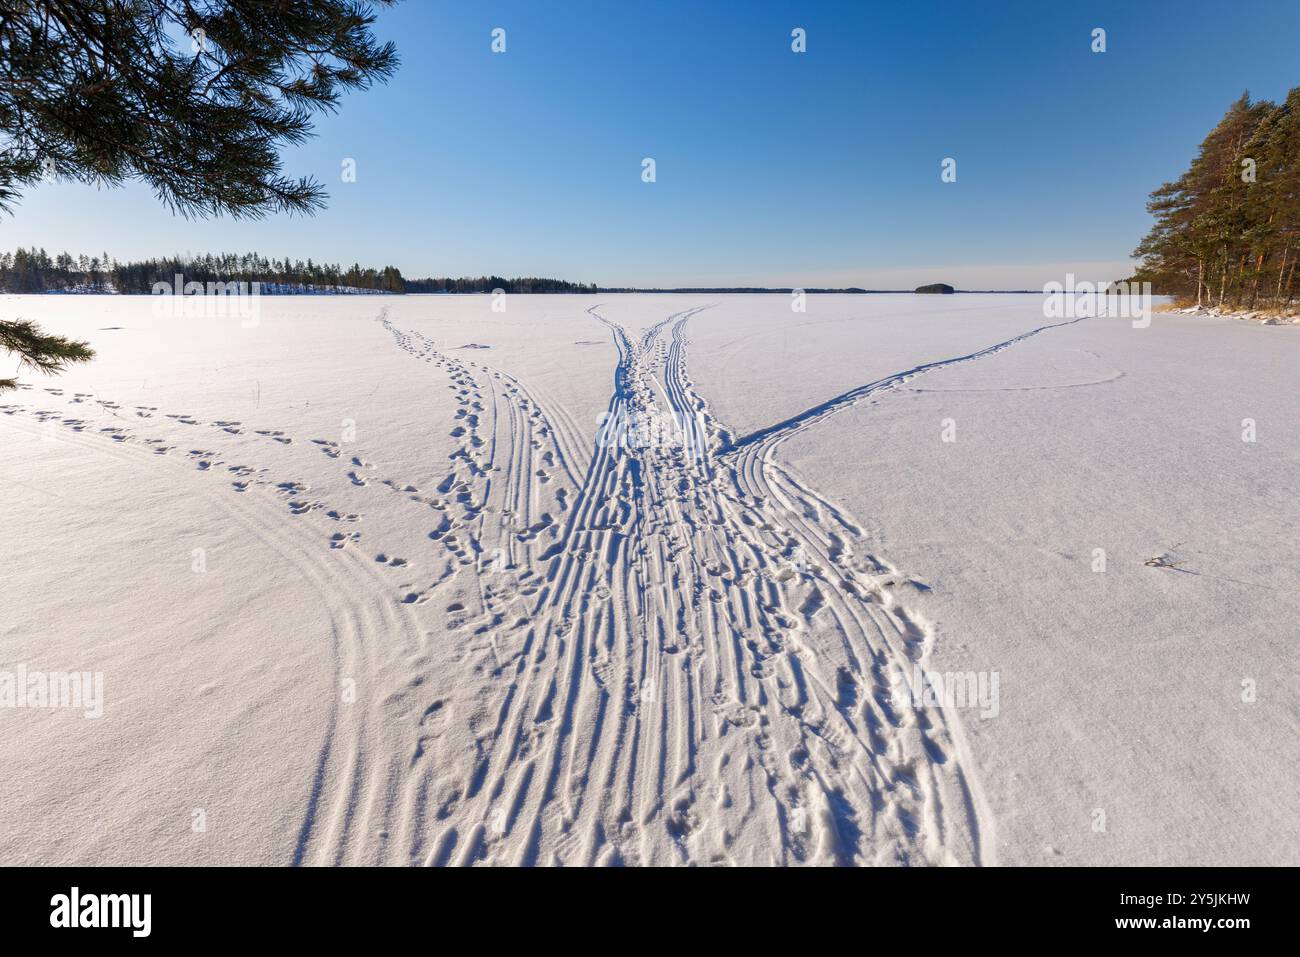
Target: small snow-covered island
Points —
{"points": [[935, 288]]}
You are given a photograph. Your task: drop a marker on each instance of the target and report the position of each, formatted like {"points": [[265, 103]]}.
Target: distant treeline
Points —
{"points": [[490, 283], [35, 271], [1227, 231], [716, 290]]}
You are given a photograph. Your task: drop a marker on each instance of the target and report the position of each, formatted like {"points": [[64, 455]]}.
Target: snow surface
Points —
{"points": [[374, 582]]}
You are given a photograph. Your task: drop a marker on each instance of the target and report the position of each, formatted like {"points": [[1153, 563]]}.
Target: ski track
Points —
{"points": [[677, 651]]}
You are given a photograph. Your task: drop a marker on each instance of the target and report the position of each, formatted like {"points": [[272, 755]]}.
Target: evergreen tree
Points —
{"points": [[195, 99], [38, 351], [1226, 231]]}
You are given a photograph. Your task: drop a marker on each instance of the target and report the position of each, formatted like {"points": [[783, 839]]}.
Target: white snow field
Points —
{"points": [[371, 581]]}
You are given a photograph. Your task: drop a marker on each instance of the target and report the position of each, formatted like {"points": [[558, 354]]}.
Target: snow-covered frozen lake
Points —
{"points": [[653, 580]]}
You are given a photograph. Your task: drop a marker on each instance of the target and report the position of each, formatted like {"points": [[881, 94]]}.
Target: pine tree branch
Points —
{"points": [[38, 351]]}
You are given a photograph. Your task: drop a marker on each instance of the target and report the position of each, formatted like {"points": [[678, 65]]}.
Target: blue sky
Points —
{"points": [[773, 168]]}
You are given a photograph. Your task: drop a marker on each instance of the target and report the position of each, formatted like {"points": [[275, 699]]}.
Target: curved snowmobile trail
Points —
{"points": [[697, 660], [359, 757]]}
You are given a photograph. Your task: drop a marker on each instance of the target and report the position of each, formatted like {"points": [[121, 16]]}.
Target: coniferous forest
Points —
{"points": [[35, 271], [1227, 232]]}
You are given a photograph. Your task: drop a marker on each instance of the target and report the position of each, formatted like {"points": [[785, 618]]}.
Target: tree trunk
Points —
{"points": [[1223, 278], [1254, 279]]}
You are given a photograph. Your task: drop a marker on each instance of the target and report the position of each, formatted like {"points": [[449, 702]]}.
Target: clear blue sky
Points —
{"points": [[773, 168]]}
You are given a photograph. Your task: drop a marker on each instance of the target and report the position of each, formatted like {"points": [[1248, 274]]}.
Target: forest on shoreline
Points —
{"points": [[35, 271], [1227, 232]]}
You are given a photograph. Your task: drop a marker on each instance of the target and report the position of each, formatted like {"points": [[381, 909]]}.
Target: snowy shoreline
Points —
{"points": [[1263, 317]]}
